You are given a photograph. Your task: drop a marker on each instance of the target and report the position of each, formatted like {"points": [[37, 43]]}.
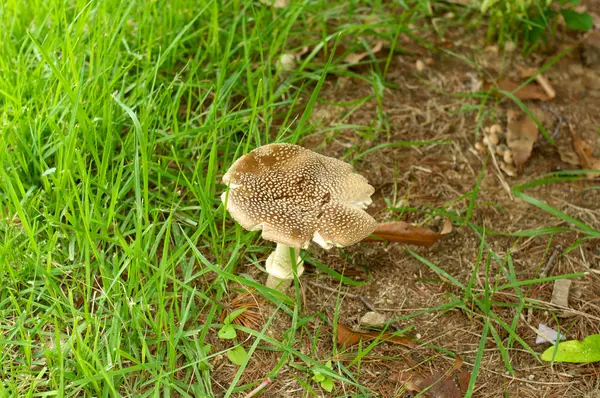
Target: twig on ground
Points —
{"points": [[366, 303], [499, 172], [550, 263]]}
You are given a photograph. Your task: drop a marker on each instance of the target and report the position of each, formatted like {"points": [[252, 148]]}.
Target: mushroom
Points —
{"points": [[295, 195]]}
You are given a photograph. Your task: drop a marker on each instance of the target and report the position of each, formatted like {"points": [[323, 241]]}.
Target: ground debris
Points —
{"points": [[372, 318], [546, 334], [584, 153], [438, 385], [527, 92], [560, 293], [346, 336], [591, 49], [522, 134], [354, 58]]}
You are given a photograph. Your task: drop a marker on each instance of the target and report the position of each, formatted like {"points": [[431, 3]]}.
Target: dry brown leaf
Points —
{"points": [[355, 58], [347, 336], [522, 133], [529, 92], [585, 154], [442, 386], [403, 232], [438, 385], [526, 73], [447, 228]]}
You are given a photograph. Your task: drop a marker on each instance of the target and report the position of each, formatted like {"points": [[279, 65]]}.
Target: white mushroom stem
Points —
{"points": [[279, 267]]}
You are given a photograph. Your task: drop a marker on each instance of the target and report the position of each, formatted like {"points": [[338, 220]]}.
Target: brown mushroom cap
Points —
{"points": [[294, 194]]}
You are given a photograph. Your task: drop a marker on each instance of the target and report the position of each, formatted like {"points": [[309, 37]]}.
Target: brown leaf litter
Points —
{"points": [[585, 154], [251, 317], [346, 337], [522, 134], [354, 58], [527, 92], [437, 385]]}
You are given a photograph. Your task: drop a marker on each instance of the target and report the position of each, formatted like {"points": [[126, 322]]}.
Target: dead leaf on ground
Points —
{"points": [[439, 384], [526, 73], [347, 336], [522, 134], [585, 154], [403, 232], [528, 92], [355, 58], [447, 228]]}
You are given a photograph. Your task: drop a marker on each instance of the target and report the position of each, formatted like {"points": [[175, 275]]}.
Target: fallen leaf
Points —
{"points": [[522, 133], [438, 385], [347, 336], [526, 73], [355, 58], [447, 228], [403, 232], [528, 92], [463, 380], [585, 154]]}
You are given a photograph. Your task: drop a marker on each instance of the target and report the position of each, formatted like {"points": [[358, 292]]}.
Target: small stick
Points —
{"points": [[550, 263], [542, 81], [366, 302], [499, 172], [259, 388]]}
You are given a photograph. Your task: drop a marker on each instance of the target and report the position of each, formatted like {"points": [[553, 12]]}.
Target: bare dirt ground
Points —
{"points": [[425, 107]]}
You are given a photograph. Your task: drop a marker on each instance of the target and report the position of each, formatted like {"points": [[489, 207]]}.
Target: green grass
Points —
{"points": [[118, 120]]}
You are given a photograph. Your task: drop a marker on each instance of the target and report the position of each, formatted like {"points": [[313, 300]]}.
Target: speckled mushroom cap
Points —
{"points": [[295, 195]]}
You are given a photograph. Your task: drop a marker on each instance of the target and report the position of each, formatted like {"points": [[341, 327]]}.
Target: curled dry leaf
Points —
{"points": [[355, 58], [347, 336], [440, 384], [584, 153], [528, 92], [522, 133], [447, 227], [403, 232]]}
